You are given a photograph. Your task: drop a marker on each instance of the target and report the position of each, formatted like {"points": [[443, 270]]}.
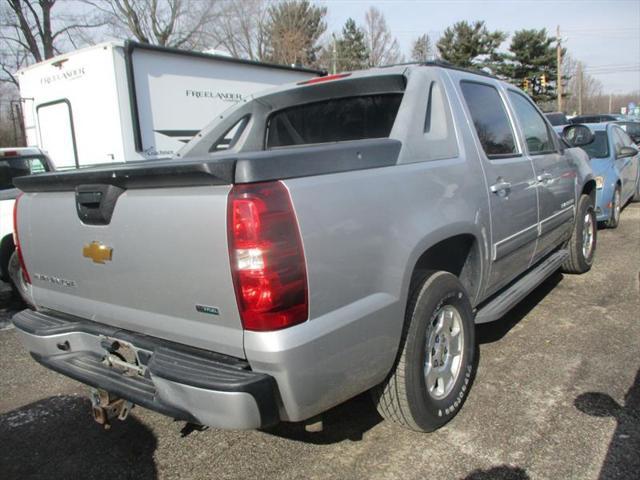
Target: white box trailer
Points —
{"points": [[127, 101]]}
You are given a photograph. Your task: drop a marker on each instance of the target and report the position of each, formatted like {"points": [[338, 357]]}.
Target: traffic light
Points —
{"points": [[543, 81]]}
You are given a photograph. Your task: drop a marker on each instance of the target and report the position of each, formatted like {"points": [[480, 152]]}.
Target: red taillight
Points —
{"points": [[16, 240], [267, 259]]}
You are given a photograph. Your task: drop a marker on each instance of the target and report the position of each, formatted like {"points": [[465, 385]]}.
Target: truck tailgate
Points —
{"points": [[168, 274]]}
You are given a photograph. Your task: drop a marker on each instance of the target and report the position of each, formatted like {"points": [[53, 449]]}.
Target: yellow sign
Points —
{"points": [[97, 252]]}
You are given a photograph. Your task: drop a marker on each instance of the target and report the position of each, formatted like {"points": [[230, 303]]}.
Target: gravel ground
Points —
{"points": [[557, 396]]}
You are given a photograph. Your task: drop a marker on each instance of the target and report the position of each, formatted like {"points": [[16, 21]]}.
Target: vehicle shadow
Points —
{"points": [[494, 331], [56, 438], [348, 421], [502, 472], [10, 303], [623, 455], [352, 419]]}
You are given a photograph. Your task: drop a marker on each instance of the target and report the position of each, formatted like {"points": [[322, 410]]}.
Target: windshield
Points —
{"points": [[19, 167], [632, 129], [557, 119], [599, 148], [334, 120]]}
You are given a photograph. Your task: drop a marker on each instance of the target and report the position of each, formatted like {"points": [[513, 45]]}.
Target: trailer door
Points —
{"points": [[55, 124]]}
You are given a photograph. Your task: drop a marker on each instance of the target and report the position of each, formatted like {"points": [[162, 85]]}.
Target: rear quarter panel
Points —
{"points": [[363, 232]]}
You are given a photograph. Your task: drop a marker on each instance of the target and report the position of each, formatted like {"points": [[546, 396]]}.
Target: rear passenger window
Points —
{"points": [[534, 128], [490, 119]]}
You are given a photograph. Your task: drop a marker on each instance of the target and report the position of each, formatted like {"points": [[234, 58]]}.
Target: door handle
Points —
{"points": [[501, 186], [544, 177]]}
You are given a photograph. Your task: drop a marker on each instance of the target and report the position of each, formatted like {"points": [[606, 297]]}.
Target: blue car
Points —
{"points": [[615, 163]]}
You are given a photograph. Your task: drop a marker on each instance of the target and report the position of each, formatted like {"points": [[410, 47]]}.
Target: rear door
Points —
{"points": [[628, 165], [57, 136], [510, 175], [555, 175]]}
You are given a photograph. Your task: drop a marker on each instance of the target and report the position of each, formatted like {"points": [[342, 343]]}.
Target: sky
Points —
{"points": [[603, 34]]}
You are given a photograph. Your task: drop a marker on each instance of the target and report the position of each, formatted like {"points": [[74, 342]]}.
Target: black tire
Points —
{"points": [[6, 250], [616, 207], [578, 262], [403, 397], [18, 283]]}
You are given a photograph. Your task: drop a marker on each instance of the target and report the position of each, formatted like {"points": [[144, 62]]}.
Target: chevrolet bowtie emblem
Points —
{"points": [[97, 252]]}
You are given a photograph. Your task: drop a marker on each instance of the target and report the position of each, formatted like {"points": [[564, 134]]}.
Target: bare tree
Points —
{"points": [[422, 49], [169, 23], [32, 32], [580, 85], [383, 47], [241, 29]]}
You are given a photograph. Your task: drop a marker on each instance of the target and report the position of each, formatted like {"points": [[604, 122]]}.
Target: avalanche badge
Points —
{"points": [[97, 252]]}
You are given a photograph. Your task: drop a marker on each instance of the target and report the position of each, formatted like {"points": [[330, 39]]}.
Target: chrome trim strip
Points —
{"points": [[515, 241]]}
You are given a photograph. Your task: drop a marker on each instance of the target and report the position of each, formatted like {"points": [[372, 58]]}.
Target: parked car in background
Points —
{"points": [[632, 128], [557, 118], [615, 163], [597, 118], [15, 162]]}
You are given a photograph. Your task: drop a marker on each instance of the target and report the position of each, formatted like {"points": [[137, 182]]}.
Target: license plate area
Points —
{"points": [[124, 357]]}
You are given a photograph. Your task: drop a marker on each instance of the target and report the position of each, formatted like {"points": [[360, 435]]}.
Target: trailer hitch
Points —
{"points": [[105, 407]]}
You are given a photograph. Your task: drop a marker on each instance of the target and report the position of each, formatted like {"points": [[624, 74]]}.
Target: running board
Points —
{"points": [[508, 299]]}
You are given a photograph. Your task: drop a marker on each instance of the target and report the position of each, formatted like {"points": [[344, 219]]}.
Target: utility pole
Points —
{"points": [[333, 56], [610, 102], [579, 88], [559, 68]]}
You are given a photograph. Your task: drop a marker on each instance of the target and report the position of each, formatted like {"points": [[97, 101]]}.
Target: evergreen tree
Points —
{"points": [[468, 45], [422, 49], [533, 57], [351, 48], [294, 28]]}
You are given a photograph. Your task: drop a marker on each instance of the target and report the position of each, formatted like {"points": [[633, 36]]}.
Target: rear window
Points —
{"points": [[335, 120], [599, 148], [19, 167]]}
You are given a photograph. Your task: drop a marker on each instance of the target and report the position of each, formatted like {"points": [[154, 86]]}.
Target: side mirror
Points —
{"points": [[577, 135], [625, 152]]}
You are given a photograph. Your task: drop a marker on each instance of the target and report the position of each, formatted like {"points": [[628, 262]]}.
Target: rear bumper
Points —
{"points": [[179, 381]]}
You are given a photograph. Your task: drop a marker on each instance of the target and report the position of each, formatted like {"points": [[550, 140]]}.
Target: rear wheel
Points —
{"points": [[583, 241], [437, 360], [17, 280], [616, 207]]}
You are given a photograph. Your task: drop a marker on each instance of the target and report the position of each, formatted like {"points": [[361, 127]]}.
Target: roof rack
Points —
{"points": [[443, 64]]}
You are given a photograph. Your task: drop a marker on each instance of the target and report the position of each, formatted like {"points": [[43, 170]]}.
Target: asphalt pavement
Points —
{"points": [[557, 396]]}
